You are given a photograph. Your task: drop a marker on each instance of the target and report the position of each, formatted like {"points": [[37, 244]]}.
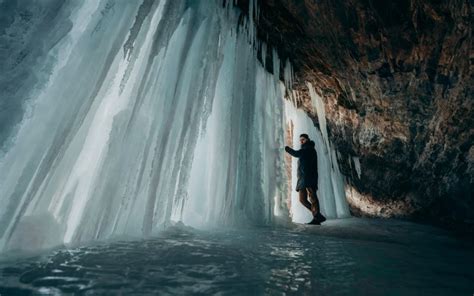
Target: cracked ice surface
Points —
{"points": [[343, 257]]}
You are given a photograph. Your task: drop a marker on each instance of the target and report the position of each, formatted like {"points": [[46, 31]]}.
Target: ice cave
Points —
{"points": [[142, 147]]}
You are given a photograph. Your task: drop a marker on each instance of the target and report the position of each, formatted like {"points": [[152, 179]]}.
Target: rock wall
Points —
{"points": [[396, 79]]}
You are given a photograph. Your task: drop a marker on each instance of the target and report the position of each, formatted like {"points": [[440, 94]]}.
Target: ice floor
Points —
{"points": [[343, 257]]}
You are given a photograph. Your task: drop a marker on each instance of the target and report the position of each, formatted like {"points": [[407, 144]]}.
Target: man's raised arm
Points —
{"points": [[295, 153]]}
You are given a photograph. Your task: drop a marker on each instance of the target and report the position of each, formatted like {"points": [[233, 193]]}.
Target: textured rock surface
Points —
{"points": [[396, 80]]}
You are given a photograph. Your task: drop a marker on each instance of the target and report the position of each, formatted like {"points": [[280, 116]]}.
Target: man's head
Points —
{"points": [[304, 138]]}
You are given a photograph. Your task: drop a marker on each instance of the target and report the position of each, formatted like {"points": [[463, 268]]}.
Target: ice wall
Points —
{"points": [[145, 112], [127, 115]]}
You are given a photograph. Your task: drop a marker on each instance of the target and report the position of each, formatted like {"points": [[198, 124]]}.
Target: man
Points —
{"points": [[307, 183]]}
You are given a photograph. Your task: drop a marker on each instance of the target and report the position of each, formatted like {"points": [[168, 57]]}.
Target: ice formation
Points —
{"points": [[148, 112], [357, 166]]}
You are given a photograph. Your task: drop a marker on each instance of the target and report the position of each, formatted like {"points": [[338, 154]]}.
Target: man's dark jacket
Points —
{"points": [[307, 165]]}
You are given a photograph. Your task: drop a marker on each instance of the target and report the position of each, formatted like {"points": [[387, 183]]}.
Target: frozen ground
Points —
{"points": [[343, 257]]}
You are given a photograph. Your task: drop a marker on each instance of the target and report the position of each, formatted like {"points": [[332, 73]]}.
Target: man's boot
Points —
{"points": [[314, 222], [319, 217]]}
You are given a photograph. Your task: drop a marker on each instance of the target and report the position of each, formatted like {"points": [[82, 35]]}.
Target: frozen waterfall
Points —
{"points": [[141, 113]]}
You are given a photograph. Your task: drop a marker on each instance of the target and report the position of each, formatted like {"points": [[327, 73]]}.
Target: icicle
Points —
{"points": [[357, 166], [264, 54], [288, 75], [276, 65], [318, 104]]}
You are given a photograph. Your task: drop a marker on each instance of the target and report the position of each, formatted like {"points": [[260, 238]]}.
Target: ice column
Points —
{"points": [[237, 176]]}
